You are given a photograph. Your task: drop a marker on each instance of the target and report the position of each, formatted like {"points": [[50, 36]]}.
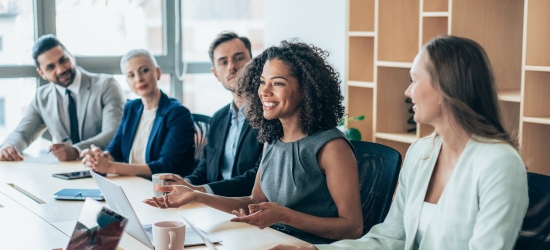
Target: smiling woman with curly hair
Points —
{"points": [[307, 184], [321, 104]]}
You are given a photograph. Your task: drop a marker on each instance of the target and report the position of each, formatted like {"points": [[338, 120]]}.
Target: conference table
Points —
{"points": [[30, 217]]}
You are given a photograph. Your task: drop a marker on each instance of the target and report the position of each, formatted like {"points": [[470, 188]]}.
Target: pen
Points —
{"points": [[64, 140]]}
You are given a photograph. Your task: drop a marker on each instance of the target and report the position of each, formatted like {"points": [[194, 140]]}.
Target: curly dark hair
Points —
{"points": [[321, 106]]}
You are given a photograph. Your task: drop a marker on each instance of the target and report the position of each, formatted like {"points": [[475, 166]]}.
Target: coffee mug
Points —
{"points": [[155, 179], [169, 235]]}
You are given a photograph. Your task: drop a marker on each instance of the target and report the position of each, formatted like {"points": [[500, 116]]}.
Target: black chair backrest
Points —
{"points": [[535, 232], [379, 168], [202, 127]]}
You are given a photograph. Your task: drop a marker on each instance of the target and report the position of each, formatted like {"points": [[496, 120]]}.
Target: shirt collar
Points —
{"points": [[74, 87], [232, 110]]}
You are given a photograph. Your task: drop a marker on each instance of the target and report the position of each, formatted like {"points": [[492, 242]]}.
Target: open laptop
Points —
{"points": [[117, 200], [97, 228]]}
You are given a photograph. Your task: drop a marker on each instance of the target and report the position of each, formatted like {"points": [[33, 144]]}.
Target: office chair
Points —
{"points": [[535, 232], [202, 127], [379, 168]]}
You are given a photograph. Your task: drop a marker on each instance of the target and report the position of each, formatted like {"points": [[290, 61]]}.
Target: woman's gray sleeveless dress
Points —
{"points": [[291, 177]]}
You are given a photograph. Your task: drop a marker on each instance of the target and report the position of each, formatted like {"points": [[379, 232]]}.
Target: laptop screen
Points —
{"points": [[97, 228]]}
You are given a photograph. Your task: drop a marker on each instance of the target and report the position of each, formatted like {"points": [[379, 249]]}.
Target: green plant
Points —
{"points": [[352, 133]]}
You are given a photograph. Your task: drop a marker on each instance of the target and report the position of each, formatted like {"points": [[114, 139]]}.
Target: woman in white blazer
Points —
{"points": [[464, 186]]}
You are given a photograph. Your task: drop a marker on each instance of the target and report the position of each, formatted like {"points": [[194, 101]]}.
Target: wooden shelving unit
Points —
{"points": [[535, 86], [384, 36], [360, 83]]}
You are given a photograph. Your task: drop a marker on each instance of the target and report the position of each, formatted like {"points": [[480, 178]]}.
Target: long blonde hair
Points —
{"points": [[462, 74]]}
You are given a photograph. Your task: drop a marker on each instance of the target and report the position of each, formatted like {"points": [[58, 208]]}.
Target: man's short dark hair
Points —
{"points": [[43, 44], [228, 36]]}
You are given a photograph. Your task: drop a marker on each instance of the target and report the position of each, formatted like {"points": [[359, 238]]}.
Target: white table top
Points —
{"points": [[54, 220], [21, 229]]}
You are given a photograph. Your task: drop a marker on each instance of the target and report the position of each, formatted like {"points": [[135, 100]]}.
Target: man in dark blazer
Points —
{"points": [[78, 108], [208, 173], [233, 147]]}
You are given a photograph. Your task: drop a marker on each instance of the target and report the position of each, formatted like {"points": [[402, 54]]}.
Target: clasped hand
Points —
{"points": [[261, 215], [99, 161]]}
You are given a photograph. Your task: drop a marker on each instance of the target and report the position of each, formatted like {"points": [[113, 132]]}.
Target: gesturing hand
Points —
{"points": [[178, 196], [261, 215]]}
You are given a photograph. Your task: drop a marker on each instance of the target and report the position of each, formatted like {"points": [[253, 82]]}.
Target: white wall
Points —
{"points": [[319, 22]]}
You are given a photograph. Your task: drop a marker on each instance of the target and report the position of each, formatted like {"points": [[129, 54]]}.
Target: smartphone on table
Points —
{"points": [[73, 175]]}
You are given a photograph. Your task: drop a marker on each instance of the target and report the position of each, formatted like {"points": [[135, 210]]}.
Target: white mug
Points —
{"points": [[155, 179], [169, 235]]}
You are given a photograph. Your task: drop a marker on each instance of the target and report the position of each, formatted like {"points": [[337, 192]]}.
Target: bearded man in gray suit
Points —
{"points": [[78, 108]]}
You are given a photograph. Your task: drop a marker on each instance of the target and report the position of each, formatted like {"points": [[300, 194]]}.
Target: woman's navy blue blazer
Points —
{"points": [[170, 148]]}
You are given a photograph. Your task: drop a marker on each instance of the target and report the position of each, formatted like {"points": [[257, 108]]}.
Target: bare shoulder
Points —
{"points": [[336, 153], [335, 146]]}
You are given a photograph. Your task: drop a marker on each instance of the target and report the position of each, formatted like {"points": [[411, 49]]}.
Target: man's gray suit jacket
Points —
{"points": [[99, 110]]}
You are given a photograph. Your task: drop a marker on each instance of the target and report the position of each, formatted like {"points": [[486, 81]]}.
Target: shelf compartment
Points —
{"points": [[361, 84], [435, 5], [534, 147], [391, 109], [401, 147], [538, 120], [361, 34], [538, 34], [538, 68], [498, 27], [405, 65], [537, 88], [361, 59], [398, 25], [433, 27], [398, 137], [435, 14], [361, 15], [360, 102], [510, 95], [510, 112]]}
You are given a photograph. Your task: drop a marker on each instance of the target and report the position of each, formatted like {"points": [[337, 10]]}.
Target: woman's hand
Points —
{"points": [[97, 160], [86, 154], [177, 197], [88, 157], [261, 215], [287, 247]]}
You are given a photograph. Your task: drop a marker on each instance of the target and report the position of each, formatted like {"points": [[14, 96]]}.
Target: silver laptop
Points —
{"points": [[117, 200]]}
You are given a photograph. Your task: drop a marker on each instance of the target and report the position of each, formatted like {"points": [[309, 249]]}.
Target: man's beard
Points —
{"points": [[72, 74]]}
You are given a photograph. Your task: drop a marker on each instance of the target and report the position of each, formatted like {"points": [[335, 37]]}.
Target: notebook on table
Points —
{"points": [[78, 194], [117, 200]]}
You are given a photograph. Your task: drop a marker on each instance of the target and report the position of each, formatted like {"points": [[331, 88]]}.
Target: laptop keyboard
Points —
{"points": [[149, 231]]}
